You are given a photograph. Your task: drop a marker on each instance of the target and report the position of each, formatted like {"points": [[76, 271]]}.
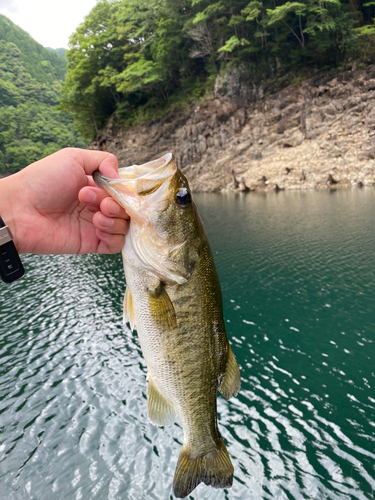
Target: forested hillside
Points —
{"points": [[31, 77], [138, 58]]}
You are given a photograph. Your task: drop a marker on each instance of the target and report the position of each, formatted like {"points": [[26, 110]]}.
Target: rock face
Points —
{"points": [[300, 137]]}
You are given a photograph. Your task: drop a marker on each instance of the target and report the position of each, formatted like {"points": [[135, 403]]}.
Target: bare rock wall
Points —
{"points": [[296, 138]]}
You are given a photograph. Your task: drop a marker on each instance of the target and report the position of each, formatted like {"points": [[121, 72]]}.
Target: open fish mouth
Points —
{"points": [[141, 186]]}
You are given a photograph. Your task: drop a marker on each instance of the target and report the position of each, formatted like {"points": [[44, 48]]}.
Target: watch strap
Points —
{"points": [[11, 267]]}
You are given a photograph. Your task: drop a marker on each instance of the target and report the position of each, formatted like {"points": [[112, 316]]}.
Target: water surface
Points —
{"points": [[298, 280]]}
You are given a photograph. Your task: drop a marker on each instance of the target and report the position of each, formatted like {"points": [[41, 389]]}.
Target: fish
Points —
{"points": [[173, 299]]}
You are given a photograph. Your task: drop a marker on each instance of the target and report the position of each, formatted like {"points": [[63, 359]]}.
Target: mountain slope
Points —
{"points": [[31, 76]]}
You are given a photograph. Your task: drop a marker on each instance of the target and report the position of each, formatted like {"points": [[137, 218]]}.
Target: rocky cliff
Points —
{"points": [[317, 133]]}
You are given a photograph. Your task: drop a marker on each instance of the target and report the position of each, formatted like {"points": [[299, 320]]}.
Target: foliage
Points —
{"points": [[366, 34], [31, 79], [124, 54], [139, 57], [60, 52]]}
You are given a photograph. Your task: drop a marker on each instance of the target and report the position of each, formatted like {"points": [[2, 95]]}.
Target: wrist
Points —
{"points": [[11, 267], [8, 200]]}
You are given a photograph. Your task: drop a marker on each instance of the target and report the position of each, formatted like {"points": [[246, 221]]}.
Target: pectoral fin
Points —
{"points": [[232, 379], [159, 411], [129, 316], [161, 308]]}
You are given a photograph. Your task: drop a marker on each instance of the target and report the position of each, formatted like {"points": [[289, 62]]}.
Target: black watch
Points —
{"points": [[11, 267]]}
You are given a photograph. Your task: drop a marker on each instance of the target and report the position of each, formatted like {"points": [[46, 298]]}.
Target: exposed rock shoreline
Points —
{"points": [[318, 134]]}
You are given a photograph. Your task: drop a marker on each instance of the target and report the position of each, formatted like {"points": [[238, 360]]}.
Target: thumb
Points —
{"points": [[91, 160]]}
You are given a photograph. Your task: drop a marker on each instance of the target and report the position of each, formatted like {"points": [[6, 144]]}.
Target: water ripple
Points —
{"points": [[298, 287]]}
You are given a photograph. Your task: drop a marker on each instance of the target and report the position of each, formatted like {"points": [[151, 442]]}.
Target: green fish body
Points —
{"points": [[173, 298]]}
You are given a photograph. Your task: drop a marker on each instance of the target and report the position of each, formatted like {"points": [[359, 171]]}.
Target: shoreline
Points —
{"points": [[296, 138], [270, 187]]}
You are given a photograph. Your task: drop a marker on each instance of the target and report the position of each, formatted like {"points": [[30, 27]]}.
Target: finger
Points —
{"points": [[111, 208], [110, 225], [94, 160], [92, 197], [90, 181], [109, 168], [110, 243]]}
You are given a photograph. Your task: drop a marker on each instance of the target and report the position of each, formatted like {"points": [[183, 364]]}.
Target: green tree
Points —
{"points": [[138, 57], [94, 45], [31, 126]]}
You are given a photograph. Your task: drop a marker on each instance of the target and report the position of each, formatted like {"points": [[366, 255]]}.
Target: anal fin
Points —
{"points": [[232, 379], [129, 316], [159, 411]]}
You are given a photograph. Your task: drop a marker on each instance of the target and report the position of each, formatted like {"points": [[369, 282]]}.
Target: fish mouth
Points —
{"points": [[140, 186]]}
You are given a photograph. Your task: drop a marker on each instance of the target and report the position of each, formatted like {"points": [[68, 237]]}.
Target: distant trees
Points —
{"points": [[133, 56], [31, 77]]}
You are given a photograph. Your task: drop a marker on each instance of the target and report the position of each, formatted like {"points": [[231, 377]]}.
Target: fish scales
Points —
{"points": [[194, 388], [173, 297]]}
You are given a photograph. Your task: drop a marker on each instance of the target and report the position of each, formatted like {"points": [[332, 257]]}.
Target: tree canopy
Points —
{"points": [[137, 56], [31, 78]]}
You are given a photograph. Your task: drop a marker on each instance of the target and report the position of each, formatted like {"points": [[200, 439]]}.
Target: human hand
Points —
{"points": [[52, 206]]}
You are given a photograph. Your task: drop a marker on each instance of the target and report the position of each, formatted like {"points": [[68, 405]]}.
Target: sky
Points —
{"points": [[49, 22]]}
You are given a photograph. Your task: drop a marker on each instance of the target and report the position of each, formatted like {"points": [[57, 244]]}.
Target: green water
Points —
{"points": [[298, 279]]}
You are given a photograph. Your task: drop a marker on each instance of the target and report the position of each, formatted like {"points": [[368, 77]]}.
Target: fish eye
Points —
{"points": [[183, 197]]}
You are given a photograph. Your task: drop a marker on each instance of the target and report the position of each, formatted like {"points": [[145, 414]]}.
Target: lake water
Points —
{"points": [[298, 277]]}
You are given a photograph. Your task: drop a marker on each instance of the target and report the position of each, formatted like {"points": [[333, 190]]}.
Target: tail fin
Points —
{"points": [[214, 469]]}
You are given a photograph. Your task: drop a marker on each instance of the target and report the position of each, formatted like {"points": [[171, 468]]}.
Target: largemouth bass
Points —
{"points": [[173, 299]]}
